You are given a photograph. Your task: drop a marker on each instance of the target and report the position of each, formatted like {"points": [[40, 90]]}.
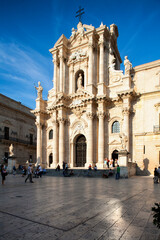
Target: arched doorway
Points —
{"points": [[50, 159], [114, 156], [80, 151]]}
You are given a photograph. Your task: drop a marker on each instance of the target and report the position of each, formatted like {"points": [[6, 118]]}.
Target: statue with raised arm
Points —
{"points": [[39, 90], [127, 65], [124, 141]]}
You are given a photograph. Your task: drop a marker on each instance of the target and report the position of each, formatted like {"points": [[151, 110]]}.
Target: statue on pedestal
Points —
{"points": [[124, 141], [128, 65], [11, 153], [39, 90]]}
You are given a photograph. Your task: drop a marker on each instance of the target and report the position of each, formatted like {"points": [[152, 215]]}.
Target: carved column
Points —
{"points": [[126, 112], [55, 143], [55, 73], [61, 74], [71, 80], [90, 67], [44, 157], [89, 159], [39, 142], [101, 116], [86, 75], [101, 62], [61, 141]]}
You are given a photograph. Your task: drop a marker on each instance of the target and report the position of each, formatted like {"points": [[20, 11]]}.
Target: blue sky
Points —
{"points": [[29, 28]]}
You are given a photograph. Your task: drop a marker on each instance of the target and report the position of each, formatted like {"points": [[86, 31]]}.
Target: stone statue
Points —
{"points": [[39, 90], [73, 32], [124, 141], [11, 150], [128, 65], [79, 81]]}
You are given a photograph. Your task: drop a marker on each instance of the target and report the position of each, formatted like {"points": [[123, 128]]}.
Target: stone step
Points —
{"points": [[79, 172]]}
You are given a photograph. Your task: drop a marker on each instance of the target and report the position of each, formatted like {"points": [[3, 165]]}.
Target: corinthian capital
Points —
{"points": [[61, 120], [126, 111], [101, 115], [90, 115], [38, 124]]}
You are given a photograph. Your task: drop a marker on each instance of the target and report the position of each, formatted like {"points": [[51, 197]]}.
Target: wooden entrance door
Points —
{"points": [[81, 151]]}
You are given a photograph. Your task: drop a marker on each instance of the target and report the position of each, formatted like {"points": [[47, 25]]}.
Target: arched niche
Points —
{"points": [[77, 75]]}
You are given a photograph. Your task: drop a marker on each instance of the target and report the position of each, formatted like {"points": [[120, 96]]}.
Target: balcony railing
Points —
{"points": [[156, 128], [17, 140]]}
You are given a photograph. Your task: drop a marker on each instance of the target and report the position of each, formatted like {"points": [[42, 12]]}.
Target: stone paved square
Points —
{"points": [[78, 208]]}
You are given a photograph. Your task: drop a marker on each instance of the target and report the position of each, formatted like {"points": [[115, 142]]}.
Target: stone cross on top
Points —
{"points": [[80, 14]]}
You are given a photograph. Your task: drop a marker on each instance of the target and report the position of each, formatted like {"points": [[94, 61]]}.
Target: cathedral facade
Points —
{"points": [[94, 110]]}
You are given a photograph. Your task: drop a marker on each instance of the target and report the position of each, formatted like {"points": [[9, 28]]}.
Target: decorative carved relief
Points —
{"points": [[78, 112], [79, 55]]}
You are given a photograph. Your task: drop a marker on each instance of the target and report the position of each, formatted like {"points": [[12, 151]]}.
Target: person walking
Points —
{"points": [[118, 172], [29, 172], [3, 173]]}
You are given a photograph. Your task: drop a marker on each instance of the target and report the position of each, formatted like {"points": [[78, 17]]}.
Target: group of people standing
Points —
{"points": [[111, 163]]}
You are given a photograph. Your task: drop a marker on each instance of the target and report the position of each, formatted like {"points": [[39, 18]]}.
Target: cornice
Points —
{"points": [[146, 66]]}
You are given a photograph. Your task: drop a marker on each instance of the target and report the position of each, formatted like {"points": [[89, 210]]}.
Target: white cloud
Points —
{"points": [[23, 63]]}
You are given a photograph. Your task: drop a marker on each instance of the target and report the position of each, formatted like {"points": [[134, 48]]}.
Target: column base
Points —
{"points": [[87, 165], [54, 165], [101, 89], [100, 165]]}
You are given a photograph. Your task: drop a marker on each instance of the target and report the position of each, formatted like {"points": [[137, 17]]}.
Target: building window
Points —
{"points": [[51, 134], [31, 139], [116, 127], [6, 133]]}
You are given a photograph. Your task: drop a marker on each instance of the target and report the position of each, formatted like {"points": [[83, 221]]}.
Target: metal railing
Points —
{"points": [[18, 140], [156, 128]]}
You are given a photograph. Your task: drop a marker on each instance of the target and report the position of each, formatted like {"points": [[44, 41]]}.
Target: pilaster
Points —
{"points": [[89, 159], [101, 116]]}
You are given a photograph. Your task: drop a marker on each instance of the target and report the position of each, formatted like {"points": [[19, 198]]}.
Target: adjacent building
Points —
{"points": [[94, 110], [17, 127]]}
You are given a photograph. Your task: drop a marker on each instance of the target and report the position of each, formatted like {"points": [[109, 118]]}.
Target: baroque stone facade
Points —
{"points": [[17, 131], [94, 109]]}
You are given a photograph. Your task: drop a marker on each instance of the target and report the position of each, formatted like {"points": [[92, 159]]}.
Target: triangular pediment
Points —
{"points": [[61, 40], [82, 93], [115, 142]]}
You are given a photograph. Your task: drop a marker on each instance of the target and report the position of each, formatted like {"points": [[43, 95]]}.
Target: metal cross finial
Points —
{"points": [[80, 13]]}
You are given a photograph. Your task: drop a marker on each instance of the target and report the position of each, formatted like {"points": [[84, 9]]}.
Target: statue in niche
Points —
{"points": [[124, 141], [11, 153], [39, 90], [128, 65], [79, 81]]}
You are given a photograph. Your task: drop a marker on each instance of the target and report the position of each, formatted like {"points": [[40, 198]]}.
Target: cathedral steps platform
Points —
{"points": [[79, 172]]}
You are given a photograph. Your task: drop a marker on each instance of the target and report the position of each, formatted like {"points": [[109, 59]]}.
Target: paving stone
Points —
{"points": [[78, 209]]}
